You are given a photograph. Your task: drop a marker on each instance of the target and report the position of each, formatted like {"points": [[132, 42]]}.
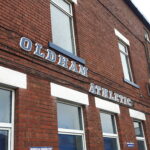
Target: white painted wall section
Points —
{"points": [[74, 1], [121, 37], [107, 106], [69, 94], [137, 114], [13, 78]]}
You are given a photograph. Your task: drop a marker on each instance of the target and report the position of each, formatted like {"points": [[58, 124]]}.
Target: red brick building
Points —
{"points": [[74, 75]]}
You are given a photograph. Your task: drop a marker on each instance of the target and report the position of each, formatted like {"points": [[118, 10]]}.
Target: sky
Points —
{"points": [[144, 7]]}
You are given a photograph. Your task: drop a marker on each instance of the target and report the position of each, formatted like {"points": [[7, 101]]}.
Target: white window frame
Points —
{"points": [[141, 138], [111, 135], [70, 15], [10, 126], [126, 54], [71, 131]]}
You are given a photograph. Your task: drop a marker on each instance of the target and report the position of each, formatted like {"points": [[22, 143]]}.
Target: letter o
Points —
{"points": [[25, 44]]}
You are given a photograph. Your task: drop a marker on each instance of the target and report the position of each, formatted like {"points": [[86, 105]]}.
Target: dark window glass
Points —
{"points": [[110, 143], [70, 142], [138, 129], [3, 140], [69, 117], [108, 123], [5, 106], [141, 145]]}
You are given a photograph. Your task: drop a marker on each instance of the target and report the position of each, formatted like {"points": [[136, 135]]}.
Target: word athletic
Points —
{"points": [[108, 94]]}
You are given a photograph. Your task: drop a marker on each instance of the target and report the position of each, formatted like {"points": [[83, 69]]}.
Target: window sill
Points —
{"points": [[66, 53], [131, 83]]}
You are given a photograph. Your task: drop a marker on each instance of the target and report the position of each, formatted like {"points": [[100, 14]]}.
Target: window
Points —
{"points": [[70, 127], [62, 25], [109, 130], [147, 38], [6, 119], [140, 135], [125, 61]]}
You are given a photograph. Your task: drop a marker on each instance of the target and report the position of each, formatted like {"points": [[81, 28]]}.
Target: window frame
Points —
{"points": [[10, 126], [128, 63], [138, 138], [70, 15], [74, 131], [111, 135]]}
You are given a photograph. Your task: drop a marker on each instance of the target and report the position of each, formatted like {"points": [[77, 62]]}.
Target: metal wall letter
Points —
{"points": [[83, 70], [92, 89], [25, 44], [51, 56], [63, 61], [38, 50], [73, 67]]}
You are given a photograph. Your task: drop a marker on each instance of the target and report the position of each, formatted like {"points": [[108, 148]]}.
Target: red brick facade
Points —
{"points": [[96, 42]]}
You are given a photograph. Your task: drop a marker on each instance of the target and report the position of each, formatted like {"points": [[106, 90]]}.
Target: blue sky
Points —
{"points": [[144, 7]]}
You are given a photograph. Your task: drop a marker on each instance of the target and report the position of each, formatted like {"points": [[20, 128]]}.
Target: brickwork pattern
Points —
{"points": [[94, 21]]}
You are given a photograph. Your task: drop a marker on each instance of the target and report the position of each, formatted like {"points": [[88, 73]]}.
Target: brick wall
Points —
{"points": [[94, 21]]}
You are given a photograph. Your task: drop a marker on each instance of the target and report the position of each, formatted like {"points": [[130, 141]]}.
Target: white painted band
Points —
{"points": [[137, 114], [122, 37], [69, 94], [108, 106], [74, 1], [13, 78]]}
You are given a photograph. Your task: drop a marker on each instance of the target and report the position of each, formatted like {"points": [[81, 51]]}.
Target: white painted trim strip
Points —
{"points": [[70, 131], [110, 135], [69, 94], [121, 37], [108, 106], [7, 125], [74, 1], [137, 114], [13, 78]]}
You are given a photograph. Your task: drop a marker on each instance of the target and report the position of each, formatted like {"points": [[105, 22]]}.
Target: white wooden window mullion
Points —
{"points": [[70, 131]]}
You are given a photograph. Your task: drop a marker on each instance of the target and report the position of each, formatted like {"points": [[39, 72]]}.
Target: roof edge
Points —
{"points": [[138, 13]]}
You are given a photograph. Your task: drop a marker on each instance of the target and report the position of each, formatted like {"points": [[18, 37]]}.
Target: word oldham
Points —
{"points": [[50, 55]]}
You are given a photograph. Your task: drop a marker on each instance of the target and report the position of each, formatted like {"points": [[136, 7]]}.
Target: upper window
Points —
{"points": [[125, 61], [123, 47], [109, 129], [70, 127], [6, 119], [140, 135], [62, 25]]}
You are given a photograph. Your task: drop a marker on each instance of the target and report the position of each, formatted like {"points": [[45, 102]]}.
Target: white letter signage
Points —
{"points": [[108, 94], [50, 55]]}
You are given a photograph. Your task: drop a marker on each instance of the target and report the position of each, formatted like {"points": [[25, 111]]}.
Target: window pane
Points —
{"points": [[110, 143], [138, 129], [108, 124], [141, 145], [69, 117], [61, 29], [5, 106], [70, 142], [64, 5], [3, 140], [125, 66], [122, 47]]}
